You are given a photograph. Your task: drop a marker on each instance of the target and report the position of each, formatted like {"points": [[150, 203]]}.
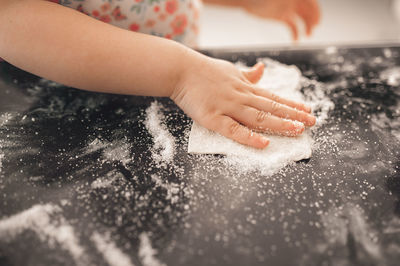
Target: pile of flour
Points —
{"points": [[163, 150], [285, 81]]}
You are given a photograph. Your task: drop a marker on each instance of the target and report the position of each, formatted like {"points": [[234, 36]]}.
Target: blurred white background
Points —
{"points": [[343, 22]]}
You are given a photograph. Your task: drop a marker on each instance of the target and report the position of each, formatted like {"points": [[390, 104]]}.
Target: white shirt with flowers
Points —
{"points": [[173, 19]]}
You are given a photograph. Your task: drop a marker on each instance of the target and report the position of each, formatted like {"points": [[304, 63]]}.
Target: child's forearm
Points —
{"points": [[66, 46]]}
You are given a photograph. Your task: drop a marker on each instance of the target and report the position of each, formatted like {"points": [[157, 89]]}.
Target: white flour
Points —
{"points": [[391, 76], [50, 228], [163, 150], [117, 151], [339, 223], [1, 159], [111, 151], [171, 188], [147, 253], [285, 81], [381, 122], [317, 99], [106, 181], [4, 118], [111, 253]]}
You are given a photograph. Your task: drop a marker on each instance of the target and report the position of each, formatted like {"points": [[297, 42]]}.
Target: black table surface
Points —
{"points": [[341, 207]]}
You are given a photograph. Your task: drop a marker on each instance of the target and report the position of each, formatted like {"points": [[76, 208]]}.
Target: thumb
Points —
{"points": [[255, 73]]}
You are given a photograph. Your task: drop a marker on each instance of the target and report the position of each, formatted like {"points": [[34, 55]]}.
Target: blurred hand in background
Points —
{"points": [[290, 12]]}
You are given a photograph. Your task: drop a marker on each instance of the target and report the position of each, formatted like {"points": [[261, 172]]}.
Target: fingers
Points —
{"points": [[315, 11], [265, 122], [276, 98], [281, 110], [255, 73], [230, 128], [304, 14], [309, 11], [291, 23]]}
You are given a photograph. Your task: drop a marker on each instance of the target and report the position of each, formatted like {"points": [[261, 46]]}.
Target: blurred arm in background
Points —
{"points": [[286, 11]]}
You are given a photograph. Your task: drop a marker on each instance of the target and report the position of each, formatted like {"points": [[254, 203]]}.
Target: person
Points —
{"points": [[79, 50]]}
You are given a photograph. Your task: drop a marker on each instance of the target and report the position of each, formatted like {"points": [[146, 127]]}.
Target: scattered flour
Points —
{"points": [[381, 121], [108, 181], [147, 253], [49, 83], [391, 76], [387, 53], [111, 253], [276, 199], [393, 226], [171, 188], [164, 143], [316, 98], [331, 50], [1, 159], [103, 182], [36, 178], [95, 146], [118, 151], [111, 151], [4, 118], [351, 220], [50, 227]]}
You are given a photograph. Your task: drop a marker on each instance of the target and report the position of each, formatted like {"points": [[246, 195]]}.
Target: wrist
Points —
{"points": [[189, 61]]}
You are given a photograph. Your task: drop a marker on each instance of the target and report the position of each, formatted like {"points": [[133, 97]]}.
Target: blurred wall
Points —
{"points": [[343, 22]]}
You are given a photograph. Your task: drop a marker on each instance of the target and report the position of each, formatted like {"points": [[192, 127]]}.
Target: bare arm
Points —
{"points": [[66, 46]]}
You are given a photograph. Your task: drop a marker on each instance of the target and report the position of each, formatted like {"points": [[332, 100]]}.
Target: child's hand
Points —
{"points": [[224, 99], [213, 92], [286, 11]]}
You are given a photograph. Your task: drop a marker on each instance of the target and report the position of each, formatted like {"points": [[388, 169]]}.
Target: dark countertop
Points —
{"points": [[85, 161]]}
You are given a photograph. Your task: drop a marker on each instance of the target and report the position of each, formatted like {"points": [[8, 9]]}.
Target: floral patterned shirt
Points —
{"points": [[173, 19]]}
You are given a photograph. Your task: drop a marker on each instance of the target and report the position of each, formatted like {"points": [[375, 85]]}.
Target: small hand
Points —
{"points": [[287, 11], [224, 99]]}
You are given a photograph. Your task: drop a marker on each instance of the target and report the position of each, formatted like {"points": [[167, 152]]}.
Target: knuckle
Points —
{"points": [[247, 91], [212, 122], [275, 97], [261, 116], [241, 88], [257, 90], [244, 77], [253, 89], [234, 128], [275, 107]]}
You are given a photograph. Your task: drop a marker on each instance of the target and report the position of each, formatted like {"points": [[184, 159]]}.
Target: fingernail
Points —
{"points": [[257, 65], [265, 141], [311, 120]]}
